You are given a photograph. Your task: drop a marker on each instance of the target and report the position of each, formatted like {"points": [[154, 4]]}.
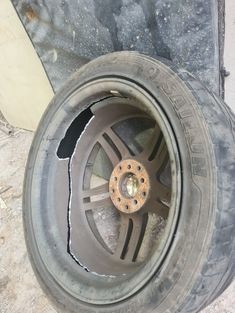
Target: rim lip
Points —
{"points": [[157, 111]]}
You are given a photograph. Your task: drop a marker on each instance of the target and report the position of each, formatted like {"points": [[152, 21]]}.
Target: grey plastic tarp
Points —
{"points": [[67, 33]]}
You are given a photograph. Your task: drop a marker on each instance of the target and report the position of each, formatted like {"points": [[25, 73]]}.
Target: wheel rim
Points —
{"points": [[128, 167], [118, 269]]}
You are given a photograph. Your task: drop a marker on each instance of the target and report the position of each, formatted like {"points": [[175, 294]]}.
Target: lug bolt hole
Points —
{"points": [[113, 191], [119, 199], [142, 180], [144, 194], [115, 178], [135, 201], [129, 167], [139, 168], [127, 207], [120, 168]]}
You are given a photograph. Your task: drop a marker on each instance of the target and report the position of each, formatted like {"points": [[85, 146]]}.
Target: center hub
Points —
{"points": [[129, 186]]}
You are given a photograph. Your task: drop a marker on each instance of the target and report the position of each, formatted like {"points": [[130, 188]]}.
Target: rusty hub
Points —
{"points": [[129, 186]]}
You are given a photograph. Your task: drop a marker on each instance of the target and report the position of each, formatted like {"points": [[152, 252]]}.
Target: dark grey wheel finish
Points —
{"points": [[121, 194]]}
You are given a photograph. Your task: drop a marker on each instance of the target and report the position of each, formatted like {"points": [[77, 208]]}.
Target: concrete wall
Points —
{"points": [[24, 87]]}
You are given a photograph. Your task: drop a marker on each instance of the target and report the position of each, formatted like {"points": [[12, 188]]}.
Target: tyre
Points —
{"points": [[129, 190]]}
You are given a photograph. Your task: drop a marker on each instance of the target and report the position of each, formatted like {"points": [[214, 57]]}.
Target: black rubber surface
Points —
{"points": [[200, 263]]}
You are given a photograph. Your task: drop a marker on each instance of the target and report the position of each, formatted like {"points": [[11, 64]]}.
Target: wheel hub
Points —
{"points": [[129, 186]]}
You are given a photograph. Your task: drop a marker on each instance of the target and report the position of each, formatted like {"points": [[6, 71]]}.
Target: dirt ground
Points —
{"points": [[19, 290]]}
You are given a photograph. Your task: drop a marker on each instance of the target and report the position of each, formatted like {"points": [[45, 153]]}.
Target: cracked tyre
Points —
{"points": [[129, 190]]}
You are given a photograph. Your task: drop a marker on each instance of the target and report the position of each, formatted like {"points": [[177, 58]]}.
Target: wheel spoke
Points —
{"points": [[120, 145], [94, 229], [123, 235], [151, 148], [158, 207], [155, 154], [163, 192], [113, 146], [98, 204], [131, 235], [139, 227], [161, 158], [111, 152], [100, 190]]}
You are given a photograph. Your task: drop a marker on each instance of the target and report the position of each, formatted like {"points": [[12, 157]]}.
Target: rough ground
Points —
{"points": [[19, 290]]}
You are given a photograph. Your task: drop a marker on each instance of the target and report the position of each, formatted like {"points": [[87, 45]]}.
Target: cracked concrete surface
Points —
{"points": [[19, 290]]}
